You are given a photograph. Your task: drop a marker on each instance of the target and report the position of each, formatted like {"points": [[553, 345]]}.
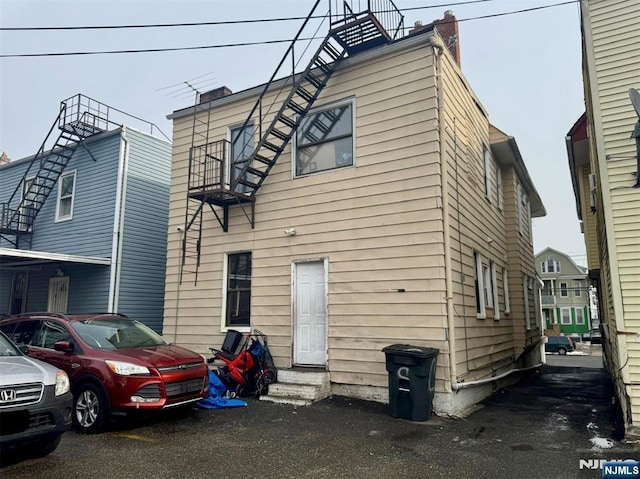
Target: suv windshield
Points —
{"points": [[7, 348], [116, 334]]}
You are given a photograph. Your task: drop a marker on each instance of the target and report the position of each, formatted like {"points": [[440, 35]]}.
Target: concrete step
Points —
{"points": [[283, 400], [292, 376], [302, 391]]}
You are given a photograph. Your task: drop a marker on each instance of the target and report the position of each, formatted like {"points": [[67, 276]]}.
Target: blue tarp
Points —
{"points": [[216, 399]]}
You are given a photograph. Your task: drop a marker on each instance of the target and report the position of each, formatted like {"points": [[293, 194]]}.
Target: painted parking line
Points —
{"points": [[136, 437]]}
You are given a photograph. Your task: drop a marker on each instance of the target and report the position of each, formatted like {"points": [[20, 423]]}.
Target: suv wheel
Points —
{"points": [[89, 408], [562, 351]]}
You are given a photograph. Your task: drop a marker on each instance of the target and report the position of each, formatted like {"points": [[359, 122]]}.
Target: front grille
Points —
{"points": [[21, 395], [41, 420], [183, 388], [19, 421], [180, 367], [149, 391]]}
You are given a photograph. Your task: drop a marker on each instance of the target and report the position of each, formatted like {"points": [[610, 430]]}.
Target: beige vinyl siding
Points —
{"points": [[477, 224], [588, 219], [378, 223], [616, 41]]}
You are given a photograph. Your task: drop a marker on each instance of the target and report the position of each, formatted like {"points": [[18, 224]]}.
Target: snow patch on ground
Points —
{"points": [[601, 443]]}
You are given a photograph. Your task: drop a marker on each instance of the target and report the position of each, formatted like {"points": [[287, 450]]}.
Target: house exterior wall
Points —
{"points": [[588, 218], [611, 40], [144, 229], [380, 226]]}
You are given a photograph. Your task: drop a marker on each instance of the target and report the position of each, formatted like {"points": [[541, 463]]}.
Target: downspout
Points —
{"points": [[480, 382], [438, 48], [118, 220]]}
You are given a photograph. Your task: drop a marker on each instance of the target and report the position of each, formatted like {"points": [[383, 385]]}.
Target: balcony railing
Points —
{"points": [[548, 300]]}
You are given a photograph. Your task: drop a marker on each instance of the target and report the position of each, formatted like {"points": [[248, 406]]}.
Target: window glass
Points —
{"points": [[50, 333], [579, 315], [564, 290], [117, 334], [238, 311], [242, 145], [324, 140], [577, 289], [24, 331], [566, 316]]}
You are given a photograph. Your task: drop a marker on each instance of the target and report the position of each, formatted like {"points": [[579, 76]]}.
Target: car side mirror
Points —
{"points": [[64, 346]]}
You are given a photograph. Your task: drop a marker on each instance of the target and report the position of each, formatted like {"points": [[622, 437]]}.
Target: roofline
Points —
{"points": [[423, 36], [548, 248]]}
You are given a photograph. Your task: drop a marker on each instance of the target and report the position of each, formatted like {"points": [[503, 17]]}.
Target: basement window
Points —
{"points": [[324, 140]]}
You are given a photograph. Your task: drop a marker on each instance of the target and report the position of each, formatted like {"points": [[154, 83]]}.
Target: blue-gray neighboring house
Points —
{"points": [[83, 222]]}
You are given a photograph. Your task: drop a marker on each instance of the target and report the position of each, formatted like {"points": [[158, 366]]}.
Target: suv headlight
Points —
{"points": [[62, 383], [127, 369]]}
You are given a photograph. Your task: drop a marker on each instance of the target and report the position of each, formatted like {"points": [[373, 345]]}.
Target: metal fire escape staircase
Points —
{"points": [[78, 119], [214, 178]]}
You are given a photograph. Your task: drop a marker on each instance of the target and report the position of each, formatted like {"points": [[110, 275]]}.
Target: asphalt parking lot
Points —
{"points": [[543, 427]]}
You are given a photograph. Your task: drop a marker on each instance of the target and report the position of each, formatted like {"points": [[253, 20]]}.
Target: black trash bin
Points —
{"points": [[412, 380]]}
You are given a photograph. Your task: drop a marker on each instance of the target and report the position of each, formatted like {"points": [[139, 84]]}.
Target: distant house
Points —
{"points": [[375, 204], [603, 148], [83, 222], [565, 294]]}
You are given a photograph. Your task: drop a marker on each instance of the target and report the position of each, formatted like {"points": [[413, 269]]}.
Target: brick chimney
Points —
{"points": [[448, 30], [215, 94], [4, 159]]}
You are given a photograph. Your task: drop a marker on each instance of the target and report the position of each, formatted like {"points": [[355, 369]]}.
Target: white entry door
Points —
{"points": [[310, 341], [58, 294]]}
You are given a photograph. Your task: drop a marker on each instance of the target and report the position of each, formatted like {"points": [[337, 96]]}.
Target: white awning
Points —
{"points": [[11, 258]]}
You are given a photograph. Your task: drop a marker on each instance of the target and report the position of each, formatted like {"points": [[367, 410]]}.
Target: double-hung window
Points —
{"points": [[564, 290], [565, 316], [579, 312], [324, 140], [238, 290], [66, 194], [487, 173], [481, 303]]}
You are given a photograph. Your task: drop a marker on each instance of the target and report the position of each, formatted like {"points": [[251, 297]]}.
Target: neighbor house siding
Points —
{"points": [[144, 242], [378, 223], [614, 68], [94, 203], [588, 219]]}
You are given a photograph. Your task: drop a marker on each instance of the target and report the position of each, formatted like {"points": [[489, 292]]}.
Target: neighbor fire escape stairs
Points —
{"points": [[18, 214], [215, 180]]}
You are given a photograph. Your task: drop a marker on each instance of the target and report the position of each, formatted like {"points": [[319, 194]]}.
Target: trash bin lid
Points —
{"points": [[409, 350]]}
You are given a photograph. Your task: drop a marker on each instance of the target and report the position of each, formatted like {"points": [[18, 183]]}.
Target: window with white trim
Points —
{"points": [[565, 316], [505, 285], [527, 309], [486, 283], [499, 187], [564, 290], [487, 173], [324, 139], [238, 290], [577, 289], [481, 308], [494, 288], [242, 145], [579, 312], [550, 265], [66, 194]]}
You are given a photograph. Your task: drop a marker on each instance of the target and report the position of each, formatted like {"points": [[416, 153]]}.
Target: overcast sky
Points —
{"points": [[524, 68]]}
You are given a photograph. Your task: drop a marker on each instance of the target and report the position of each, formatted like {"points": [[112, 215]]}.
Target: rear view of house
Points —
{"points": [[359, 201], [83, 222]]}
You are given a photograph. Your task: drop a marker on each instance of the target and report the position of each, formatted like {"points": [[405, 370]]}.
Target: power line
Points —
{"points": [[263, 42], [201, 24]]}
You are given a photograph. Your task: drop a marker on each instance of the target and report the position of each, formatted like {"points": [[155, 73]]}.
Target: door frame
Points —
{"points": [[294, 265], [61, 280], [15, 275]]}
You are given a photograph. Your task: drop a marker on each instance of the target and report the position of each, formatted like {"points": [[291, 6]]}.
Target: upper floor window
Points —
{"points": [[66, 194], [564, 290], [241, 148], [550, 266], [238, 290], [499, 186], [324, 140], [487, 173], [524, 212], [577, 289], [481, 305], [505, 285]]}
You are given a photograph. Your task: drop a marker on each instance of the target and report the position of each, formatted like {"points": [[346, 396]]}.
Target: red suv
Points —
{"points": [[115, 364]]}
